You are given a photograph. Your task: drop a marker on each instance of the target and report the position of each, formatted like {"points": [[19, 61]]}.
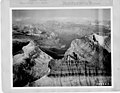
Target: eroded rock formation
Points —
{"points": [[85, 50], [30, 65]]}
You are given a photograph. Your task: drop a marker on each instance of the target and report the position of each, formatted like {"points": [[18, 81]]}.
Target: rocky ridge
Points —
{"points": [[29, 66]]}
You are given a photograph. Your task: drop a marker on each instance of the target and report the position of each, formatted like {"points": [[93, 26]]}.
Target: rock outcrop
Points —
{"points": [[85, 50], [102, 40], [107, 44], [30, 65]]}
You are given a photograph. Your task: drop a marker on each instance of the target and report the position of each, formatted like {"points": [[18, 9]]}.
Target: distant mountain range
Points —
{"points": [[58, 33]]}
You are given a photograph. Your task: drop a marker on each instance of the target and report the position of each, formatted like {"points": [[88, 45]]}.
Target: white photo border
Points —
{"points": [[55, 87]]}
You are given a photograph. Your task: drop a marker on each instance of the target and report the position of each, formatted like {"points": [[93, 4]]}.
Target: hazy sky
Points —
{"points": [[36, 16]]}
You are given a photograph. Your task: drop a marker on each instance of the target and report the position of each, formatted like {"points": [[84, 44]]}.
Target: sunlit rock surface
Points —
{"points": [[30, 65], [85, 50]]}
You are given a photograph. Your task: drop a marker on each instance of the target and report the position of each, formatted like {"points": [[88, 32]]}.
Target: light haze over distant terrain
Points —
{"points": [[77, 15]]}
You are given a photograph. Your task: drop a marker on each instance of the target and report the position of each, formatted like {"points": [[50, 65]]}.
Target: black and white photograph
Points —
{"points": [[61, 47]]}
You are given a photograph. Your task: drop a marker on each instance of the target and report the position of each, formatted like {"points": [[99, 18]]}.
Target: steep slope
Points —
{"points": [[85, 50], [83, 57], [30, 65], [107, 43]]}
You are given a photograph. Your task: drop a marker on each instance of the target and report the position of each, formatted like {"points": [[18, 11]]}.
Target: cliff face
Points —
{"points": [[83, 57], [107, 44], [30, 65], [85, 50]]}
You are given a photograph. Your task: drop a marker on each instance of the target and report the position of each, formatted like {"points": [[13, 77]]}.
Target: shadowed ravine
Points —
{"points": [[54, 54]]}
